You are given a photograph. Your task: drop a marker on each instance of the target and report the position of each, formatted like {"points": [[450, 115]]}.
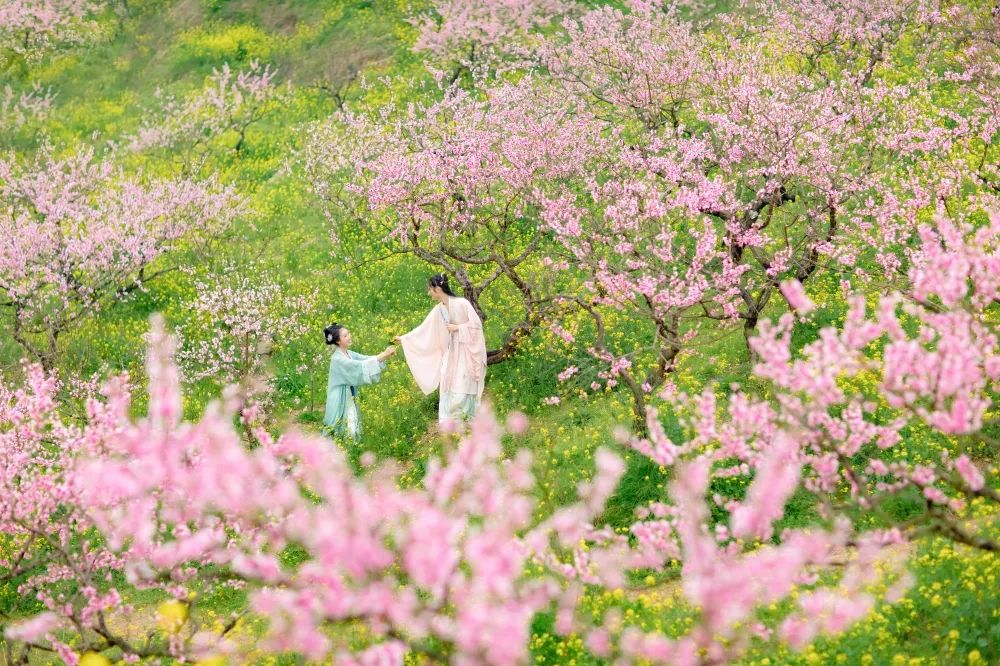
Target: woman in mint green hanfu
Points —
{"points": [[348, 371]]}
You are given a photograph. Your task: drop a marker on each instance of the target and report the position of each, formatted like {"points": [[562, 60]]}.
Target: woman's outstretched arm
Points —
{"points": [[424, 348]]}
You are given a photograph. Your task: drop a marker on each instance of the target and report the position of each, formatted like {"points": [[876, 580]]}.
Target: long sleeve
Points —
{"points": [[348, 370], [355, 369], [424, 348], [336, 396], [471, 338], [472, 330]]}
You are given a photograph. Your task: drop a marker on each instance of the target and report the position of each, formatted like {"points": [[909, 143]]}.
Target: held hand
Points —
{"points": [[452, 327], [389, 351]]}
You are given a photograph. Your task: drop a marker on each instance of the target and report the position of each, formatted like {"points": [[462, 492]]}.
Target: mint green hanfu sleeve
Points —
{"points": [[336, 395], [359, 370], [348, 370]]}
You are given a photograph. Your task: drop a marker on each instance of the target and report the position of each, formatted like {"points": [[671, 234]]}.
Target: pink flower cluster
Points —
{"points": [[684, 172], [440, 561], [32, 28], [17, 110], [440, 568], [80, 233], [229, 104], [938, 367], [483, 32], [454, 164], [236, 323]]}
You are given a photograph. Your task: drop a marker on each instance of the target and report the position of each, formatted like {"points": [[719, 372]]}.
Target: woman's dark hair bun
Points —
{"points": [[440, 280], [332, 333]]}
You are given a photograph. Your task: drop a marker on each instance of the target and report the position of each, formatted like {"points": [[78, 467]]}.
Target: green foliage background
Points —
{"points": [[952, 614]]}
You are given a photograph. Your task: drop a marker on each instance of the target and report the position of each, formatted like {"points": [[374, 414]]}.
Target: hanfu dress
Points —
{"points": [[348, 371], [454, 362]]}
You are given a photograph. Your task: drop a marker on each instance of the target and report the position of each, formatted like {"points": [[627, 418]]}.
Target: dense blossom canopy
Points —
{"points": [[628, 184]]}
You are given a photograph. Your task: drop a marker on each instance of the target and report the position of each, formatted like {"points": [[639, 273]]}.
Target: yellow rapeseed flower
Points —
{"points": [[211, 661], [94, 659], [172, 615]]}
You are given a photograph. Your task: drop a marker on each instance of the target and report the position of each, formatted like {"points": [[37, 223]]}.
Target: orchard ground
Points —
{"points": [[322, 52]]}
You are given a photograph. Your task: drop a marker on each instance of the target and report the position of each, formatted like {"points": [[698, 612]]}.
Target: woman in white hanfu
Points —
{"points": [[448, 352]]}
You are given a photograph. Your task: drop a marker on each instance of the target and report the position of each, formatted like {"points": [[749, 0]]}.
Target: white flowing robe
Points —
{"points": [[454, 362]]}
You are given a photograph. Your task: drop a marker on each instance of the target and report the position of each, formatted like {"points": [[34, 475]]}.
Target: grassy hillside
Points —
{"points": [[327, 53]]}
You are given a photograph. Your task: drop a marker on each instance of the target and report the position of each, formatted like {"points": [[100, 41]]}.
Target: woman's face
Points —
{"points": [[434, 292], [345, 339]]}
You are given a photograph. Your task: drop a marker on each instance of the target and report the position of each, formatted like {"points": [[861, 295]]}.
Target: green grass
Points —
{"points": [[319, 47]]}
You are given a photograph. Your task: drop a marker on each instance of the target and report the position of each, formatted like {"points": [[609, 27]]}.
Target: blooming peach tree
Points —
{"points": [[20, 108], [32, 28], [78, 233], [931, 355], [448, 568], [236, 324], [188, 129], [457, 183], [478, 37], [645, 169], [793, 151]]}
